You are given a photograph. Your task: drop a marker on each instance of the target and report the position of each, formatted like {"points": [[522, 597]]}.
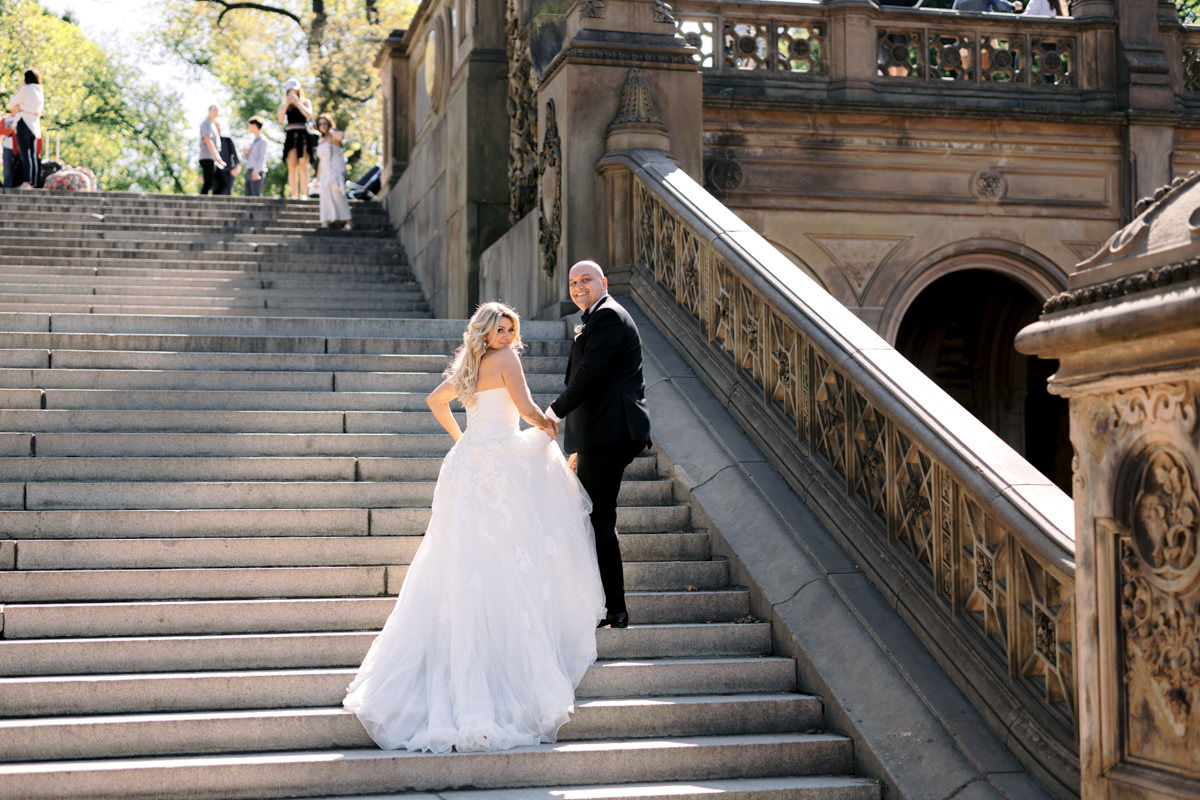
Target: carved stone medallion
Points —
{"points": [[989, 184], [725, 174]]}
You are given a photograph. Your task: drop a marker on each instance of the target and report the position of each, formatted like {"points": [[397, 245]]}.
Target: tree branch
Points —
{"points": [[227, 6]]}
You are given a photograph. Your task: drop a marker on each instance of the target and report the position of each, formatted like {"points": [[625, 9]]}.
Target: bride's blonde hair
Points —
{"points": [[464, 369]]}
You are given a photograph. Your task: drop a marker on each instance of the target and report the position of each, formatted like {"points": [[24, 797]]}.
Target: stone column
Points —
{"points": [[580, 110], [393, 86], [1128, 343]]}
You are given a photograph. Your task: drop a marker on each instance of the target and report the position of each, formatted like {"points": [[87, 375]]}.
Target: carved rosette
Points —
{"points": [[550, 177], [522, 118]]}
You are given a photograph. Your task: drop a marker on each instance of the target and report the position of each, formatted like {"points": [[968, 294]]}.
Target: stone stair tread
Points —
{"points": [[797, 787], [92, 655], [299, 773], [131, 617]]}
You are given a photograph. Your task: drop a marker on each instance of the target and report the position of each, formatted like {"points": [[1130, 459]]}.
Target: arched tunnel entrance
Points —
{"points": [[959, 331]]}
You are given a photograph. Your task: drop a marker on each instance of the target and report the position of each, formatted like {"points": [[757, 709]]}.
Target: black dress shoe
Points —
{"points": [[615, 621]]}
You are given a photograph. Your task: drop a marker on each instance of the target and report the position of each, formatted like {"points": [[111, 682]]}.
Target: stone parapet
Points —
{"points": [[973, 544]]}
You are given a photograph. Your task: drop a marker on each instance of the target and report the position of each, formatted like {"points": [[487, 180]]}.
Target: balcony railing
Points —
{"points": [[794, 39], [943, 514]]}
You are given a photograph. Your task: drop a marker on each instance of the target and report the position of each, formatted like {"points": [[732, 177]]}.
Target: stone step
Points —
{"points": [[350, 327], [680, 759], [250, 551], [223, 522], [81, 585], [136, 654], [31, 349], [234, 302], [198, 468], [201, 617], [217, 444], [328, 253], [208, 312], [150, 275], [798, 787], [206, 400], [190, 733], [306, 688], [194, 291], [192, 263], [229, 421], [53, 495]]}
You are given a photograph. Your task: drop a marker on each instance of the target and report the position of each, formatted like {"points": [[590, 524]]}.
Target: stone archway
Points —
{"points": [[959, 331]]}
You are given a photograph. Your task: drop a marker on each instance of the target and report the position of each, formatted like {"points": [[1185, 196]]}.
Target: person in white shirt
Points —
{"points": [[27, 104], [331, 175], [255, 155]]}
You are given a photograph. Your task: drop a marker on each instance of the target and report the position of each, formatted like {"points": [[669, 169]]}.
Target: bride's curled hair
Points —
{"points": [[464, 368]]}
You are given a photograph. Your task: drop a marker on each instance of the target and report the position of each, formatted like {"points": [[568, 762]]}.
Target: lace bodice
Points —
{"points": [[493, 417]]}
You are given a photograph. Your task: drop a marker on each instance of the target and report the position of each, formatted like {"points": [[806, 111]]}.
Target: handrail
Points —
{"points": [[944, 516]]}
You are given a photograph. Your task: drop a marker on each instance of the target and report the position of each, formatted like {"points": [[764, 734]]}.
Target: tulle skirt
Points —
{"points": [[495, 623]]}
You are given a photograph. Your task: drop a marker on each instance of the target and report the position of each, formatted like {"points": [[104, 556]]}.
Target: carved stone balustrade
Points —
{"points": [[1127, 337], [972, 544]]}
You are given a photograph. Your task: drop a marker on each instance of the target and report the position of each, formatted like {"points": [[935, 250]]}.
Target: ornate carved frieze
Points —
{"points": [[1154, 278], [522, 119], [550, 178]]}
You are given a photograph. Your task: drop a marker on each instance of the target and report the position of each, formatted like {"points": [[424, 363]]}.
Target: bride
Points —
{"points": [[496, 621]]}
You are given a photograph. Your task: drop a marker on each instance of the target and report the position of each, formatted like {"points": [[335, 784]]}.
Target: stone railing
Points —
{"points": [[1190, 59], [974, 546], [808, 41]]}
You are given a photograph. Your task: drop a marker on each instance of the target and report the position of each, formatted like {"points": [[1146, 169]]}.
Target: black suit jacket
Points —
{"points": [[605, 398]]}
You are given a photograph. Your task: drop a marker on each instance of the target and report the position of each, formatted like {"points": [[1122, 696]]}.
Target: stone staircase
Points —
{"points": [[208, 508]]}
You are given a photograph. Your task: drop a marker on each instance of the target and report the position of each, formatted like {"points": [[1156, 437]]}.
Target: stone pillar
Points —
{"points": [[393, 86], [580, 113], [1128, 344]]}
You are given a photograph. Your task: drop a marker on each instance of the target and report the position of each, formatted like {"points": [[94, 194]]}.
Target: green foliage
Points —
{"points": [[1189, 11], [99, 112], [328, 45]]}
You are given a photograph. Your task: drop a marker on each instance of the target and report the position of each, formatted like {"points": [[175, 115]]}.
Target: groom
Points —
{"points": [[604, 406]]}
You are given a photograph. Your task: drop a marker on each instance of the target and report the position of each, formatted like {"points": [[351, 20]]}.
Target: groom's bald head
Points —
{"points": [[587, 284]]}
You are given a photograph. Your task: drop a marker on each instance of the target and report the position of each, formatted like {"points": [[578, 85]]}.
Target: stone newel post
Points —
{"points": [[1127, 336], [623, 79]]}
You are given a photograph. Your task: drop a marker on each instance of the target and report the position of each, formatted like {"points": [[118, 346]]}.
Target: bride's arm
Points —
{"points": [[439, 403], [518, 392]]}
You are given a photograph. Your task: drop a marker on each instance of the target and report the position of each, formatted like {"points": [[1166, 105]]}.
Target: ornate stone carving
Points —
{"points": [[989, 184], [662, 12], [522, 119], [636, 107], [1160, 599], [550, 177], [593, 9], [1159, 403], [725, 175]]}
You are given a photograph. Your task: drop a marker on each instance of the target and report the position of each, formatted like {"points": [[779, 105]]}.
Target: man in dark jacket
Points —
{"points": [[607, 424], [231, 169]]}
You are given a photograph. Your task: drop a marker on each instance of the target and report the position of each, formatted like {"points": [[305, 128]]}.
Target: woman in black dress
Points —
{"points": [[294, 115]]}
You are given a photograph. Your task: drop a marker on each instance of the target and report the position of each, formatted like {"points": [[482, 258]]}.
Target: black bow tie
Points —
{"points": [[585, 316]]}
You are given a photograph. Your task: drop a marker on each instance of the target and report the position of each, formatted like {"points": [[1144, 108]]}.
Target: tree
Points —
{"points": [[1189, 11], [251, 48], [99, 113]]}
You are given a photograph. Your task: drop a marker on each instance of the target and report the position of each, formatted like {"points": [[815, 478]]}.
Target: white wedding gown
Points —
{"points": [[496, 621]]}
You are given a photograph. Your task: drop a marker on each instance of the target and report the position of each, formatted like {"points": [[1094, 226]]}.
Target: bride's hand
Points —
{"points": [[550, 428]]}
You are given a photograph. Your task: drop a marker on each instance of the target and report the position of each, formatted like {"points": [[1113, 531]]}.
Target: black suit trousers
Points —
{"points": [[599, 469]]}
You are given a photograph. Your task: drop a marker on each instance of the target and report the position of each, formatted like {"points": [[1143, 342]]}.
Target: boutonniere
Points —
{"points": [[579, 329]]}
